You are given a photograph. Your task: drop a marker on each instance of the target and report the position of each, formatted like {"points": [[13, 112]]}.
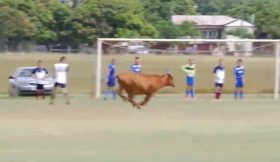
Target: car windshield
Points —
{"points": [[25, 73]]}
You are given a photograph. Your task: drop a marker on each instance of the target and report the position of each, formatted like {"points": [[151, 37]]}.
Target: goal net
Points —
{"points": [[260, 59]]}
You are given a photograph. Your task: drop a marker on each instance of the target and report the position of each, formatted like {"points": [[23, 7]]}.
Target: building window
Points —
{"points": [[213, 34]]}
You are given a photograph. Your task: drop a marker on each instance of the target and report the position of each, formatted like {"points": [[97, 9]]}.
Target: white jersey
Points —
{"points": [[61, 70], [219, 72]]}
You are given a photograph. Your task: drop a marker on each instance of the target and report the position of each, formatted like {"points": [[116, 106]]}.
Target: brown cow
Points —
{"points": [[142, 84]]}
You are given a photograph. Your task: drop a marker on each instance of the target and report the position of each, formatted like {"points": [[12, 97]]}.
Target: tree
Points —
{"points": [[110, 18], [266, 13], [50, 18], [267, 16], [242, 33], [159, 12], [15, 27]]}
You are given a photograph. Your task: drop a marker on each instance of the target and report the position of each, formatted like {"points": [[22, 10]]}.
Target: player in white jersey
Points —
{"points": [[219, 74], [61, 70], [40, 74]]}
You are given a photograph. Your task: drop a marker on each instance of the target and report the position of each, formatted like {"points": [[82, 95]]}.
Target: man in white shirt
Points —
{"points": [[61, 70], [40, 74], [219, 74]]}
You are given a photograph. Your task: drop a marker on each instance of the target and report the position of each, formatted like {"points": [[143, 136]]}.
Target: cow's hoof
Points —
{"points": [[142, 104], [138, 106]]}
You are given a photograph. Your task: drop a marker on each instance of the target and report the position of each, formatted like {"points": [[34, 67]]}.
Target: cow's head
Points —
{"points": [[170, 80]]}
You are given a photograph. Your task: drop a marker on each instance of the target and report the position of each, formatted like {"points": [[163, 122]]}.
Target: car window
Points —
{"points": [[25, 73]]}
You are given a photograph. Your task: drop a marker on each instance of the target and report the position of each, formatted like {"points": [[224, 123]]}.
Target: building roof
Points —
{"points": [[210, 20]]}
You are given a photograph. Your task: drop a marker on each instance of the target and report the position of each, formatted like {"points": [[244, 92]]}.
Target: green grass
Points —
{"points": [[259, 71], [168, 129]]}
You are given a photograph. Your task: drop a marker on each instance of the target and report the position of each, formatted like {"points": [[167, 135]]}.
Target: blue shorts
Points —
{"points": [[111, 82], [190, 81], [239, 83]]}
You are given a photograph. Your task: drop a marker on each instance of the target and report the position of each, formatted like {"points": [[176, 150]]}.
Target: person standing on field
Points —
{"points": [[136, 67], [61, 70], [111, 81], [40, 74], [239, 72], [190, 70], [219, 74]]}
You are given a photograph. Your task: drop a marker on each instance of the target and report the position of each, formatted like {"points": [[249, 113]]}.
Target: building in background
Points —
{"points": [[219, 27]]}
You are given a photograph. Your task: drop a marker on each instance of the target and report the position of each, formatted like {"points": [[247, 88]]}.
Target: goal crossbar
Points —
{"points": [[101, 40]]}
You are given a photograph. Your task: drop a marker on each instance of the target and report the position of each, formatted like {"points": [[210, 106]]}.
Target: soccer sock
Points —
{"points": [[43, 94], [114, 94], [106, 94], [235, 94], [192, 93], [37, 94], [218, 94], [241, 94], [187, 93]]}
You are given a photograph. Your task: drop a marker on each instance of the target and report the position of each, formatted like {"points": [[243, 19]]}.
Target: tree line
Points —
{"points": [[50, 22]]}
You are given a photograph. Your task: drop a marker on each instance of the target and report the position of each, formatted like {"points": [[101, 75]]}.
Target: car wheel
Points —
{"points": [[13, 92]]}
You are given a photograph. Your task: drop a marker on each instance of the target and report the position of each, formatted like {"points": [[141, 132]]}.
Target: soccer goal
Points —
{"points": [[260, 59]]}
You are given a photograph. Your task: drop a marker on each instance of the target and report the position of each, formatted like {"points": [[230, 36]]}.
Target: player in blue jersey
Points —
{"points": [[239, 73], [136, 67], [111, 81], [40, 74]]}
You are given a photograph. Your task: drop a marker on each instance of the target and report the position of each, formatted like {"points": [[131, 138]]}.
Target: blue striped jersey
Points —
{"points": [[111, 68], [239, 72], [136, 68]]}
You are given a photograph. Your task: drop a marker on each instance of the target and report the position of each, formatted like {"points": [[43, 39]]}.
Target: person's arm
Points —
{"points": [[53, 72], [67, 69], [47, 73], [140, 68], [33, 73], [184, 68]]}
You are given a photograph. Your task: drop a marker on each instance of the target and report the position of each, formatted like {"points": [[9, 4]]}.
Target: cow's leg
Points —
{"points": [[130, 99], [119, 92], [146, 99]]}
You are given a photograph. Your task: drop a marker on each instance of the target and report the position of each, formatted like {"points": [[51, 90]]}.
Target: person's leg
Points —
{"points": [[191, 91], [187, 92], [40, 91], [53, 94], [218, 91], [113, 90], [191, 87], [37, 93], [236, 93], [65, 93], [106, 93], [241, 93], [114, 94]]}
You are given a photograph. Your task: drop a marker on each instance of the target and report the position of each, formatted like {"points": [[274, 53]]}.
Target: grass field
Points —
{"points": [[259, 70], [168, 129]]}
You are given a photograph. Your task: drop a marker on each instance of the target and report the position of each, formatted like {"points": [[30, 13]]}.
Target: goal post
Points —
{"points": [[277, 70], [271, 43]]}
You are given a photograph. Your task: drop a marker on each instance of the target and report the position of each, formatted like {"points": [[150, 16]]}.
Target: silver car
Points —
{"points": [[22, 82]]}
